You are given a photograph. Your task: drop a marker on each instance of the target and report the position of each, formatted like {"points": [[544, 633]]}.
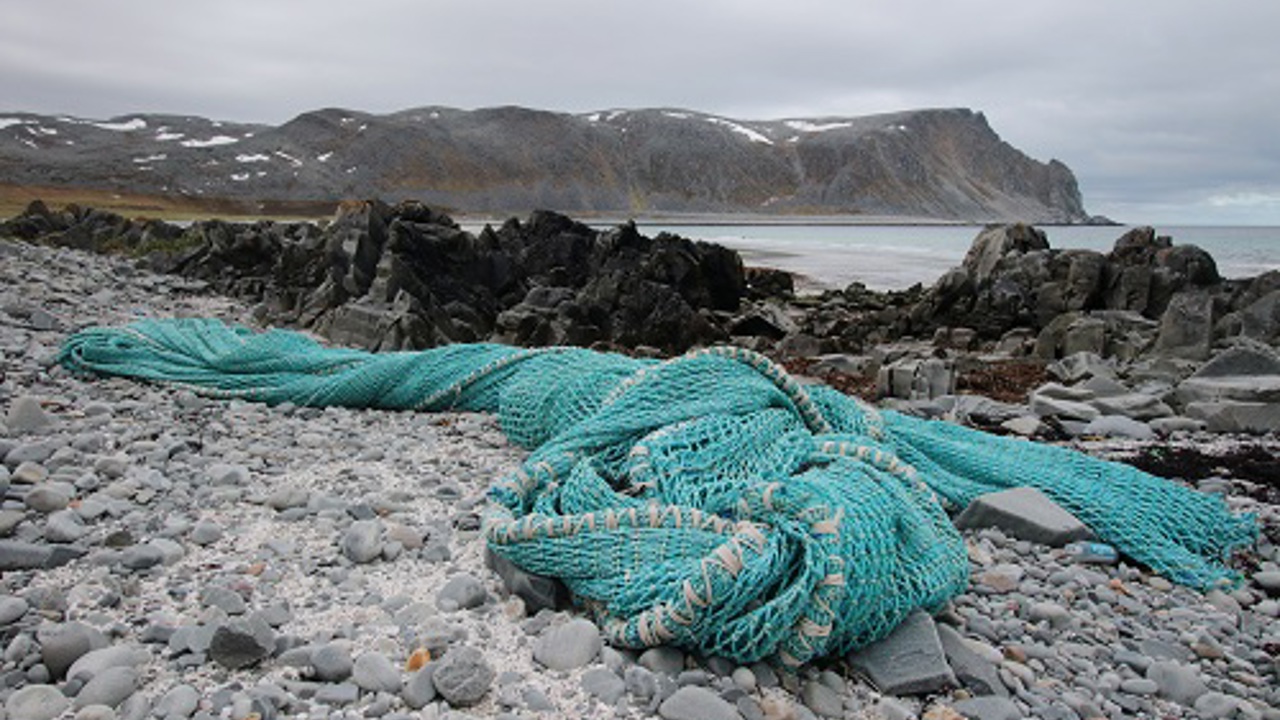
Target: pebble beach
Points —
{"points": [[170, 556]]}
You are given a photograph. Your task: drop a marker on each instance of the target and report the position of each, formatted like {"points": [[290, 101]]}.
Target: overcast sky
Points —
{"points": [[1168, 111]]}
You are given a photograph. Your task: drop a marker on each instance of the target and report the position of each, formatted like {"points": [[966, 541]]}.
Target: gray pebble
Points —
{"points": [[989, 707], [343, 693], [1139, 686], [332, 662], [36, 702], [62, 645], [463, 676], [744, 678], [284, 498], [64, 526], [109, 687], [206, 533], [26, 416], [663, 659], [821, 699], [179, 702], [641, 682], [96, 661], [462, 591], [97, 712], [362, 542], [568, 646], [1216, 705], [12, 609], [419, 689], [1178, 682], [225, 599], [141, 556], [696, 703], [372, 671], [28, 473], [601, 683], [241, 643], [46, 498], [1268, 580], [227, 474], [536, 700]]}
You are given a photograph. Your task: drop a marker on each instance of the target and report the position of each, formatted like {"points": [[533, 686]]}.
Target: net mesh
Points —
{"points": [[708, 501]]}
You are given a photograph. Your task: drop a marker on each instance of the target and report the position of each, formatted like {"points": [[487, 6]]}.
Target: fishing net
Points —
{"points": [[708, 501]]}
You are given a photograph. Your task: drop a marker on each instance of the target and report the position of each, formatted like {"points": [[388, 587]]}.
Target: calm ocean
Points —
{"points": [[893, 257]]}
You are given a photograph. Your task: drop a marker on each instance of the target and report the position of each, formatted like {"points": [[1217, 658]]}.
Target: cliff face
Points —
{"points": [[945, 164]]}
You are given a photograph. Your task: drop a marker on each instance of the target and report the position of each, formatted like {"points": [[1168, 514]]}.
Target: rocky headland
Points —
{"points": [[170, 556], [943, 164]]}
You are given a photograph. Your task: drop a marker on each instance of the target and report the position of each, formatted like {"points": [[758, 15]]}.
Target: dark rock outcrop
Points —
{"points": [[407, 276], [1145, 293]]}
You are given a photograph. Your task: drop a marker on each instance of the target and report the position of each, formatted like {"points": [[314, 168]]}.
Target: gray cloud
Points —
{"points": [[1166, 110]]}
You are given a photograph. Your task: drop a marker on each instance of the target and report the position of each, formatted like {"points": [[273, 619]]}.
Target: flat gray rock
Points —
{"points": [[1241, 361], [1227, 416], [988, 708], [568, 646], [1025, 513], [692, 702], [1119, 426], [973, 671], [537, 591], [910, 661], [19, 555], [242, 642]]}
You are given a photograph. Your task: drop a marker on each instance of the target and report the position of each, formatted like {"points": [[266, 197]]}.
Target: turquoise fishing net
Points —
{"points": [[708, 501]]}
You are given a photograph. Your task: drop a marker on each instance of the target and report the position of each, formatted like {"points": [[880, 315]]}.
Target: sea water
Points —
{"points": [[895, 257]]}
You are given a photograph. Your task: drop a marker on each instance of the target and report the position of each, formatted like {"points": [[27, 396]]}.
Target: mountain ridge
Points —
{"points": [[945, 164]]}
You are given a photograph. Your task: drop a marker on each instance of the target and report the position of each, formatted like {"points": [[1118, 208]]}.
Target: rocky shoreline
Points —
{"points": [[170, 556]]}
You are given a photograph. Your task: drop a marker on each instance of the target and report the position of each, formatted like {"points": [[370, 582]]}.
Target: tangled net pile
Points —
{"points": [[709, 501]]}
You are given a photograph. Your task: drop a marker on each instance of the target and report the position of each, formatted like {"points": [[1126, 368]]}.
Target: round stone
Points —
{"points": [[461, 592], [693, 702], [420, 688], [463, 676], [568, 646], [46, 498], [601, 683], [36, 702], [12, 609], [332, 662], [374, 672], [362, 542], [62, 645], [109, 687]]}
